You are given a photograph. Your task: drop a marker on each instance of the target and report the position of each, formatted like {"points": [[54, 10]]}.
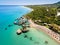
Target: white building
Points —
{"points": [[58, 11]]}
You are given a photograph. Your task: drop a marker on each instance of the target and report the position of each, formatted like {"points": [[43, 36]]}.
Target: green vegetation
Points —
{"points": [[47, 15]]}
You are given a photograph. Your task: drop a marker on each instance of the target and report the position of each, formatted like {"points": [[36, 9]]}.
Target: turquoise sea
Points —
{"points": [[8, 34]]}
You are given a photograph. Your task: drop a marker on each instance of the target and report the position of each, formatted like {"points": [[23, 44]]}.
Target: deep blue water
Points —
{"points": [[9, 13], [7, 16]]}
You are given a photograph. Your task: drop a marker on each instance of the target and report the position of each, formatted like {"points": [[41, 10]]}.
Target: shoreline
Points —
{"points": [[30, 10], [27, 8], [49, 32]]}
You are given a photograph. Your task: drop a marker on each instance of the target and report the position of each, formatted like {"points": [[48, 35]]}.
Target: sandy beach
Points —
{"points": [[27, 8], [49, 32]]}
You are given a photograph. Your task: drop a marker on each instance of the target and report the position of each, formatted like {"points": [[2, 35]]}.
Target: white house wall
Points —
{"points": [[58, 13]]}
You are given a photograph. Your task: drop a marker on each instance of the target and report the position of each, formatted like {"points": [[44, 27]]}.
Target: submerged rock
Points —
{"points": [[10, 25], [36, 42], [25, 31], [46, 42], [25, 36], [30, 38], [5, 28]]}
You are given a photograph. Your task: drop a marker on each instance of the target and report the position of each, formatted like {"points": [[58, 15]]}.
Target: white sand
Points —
{"points": [[27, 8], [49, 32]]}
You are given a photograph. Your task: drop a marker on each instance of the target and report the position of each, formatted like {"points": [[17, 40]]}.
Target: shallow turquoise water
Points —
{"points": [[8, 37]]}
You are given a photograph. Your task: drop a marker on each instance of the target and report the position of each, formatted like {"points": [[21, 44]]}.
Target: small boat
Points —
{"points": [[16, 22], [19, 32]]}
